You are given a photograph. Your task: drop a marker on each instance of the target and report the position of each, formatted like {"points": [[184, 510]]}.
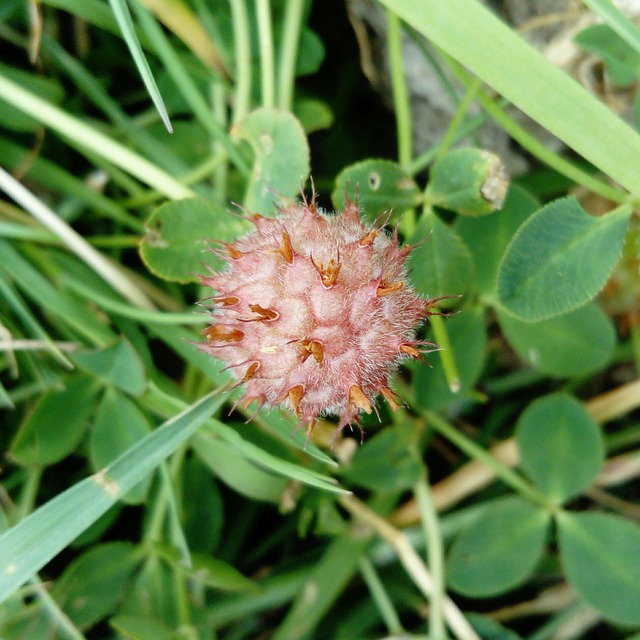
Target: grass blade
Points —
{"points": [[85, 137], [472, 35], [29, 545], [121, 12]]}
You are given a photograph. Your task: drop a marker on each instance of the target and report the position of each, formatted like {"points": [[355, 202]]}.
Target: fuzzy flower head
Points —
{"points": [[315, 312]]}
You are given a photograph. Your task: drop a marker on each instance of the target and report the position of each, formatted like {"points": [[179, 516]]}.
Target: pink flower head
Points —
{"points": [[315, 312]]}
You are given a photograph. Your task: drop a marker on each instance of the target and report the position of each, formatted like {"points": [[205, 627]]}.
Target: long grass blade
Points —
{"points": [[29, 545], [123, 16], [476, 38]]}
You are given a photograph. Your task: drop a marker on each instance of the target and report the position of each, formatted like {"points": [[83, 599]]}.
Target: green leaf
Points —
{"points": [[53, 430], [174, 246], [560, 446], [93, 584], [153, 593], [118, 425], [478, 39], [281, 164], [314, 114], [381, 186], [387, 462], [141, 628], [499, 550], [559, 259], [600, 553], [472, 182], [487, 237], [441, 264], [617, 20], [489, 629], [118, 365], [217, 574], [5, 399], [36, 539], [122, 15], [620, 59], [577, 343], [310, 53], [202, 507]]}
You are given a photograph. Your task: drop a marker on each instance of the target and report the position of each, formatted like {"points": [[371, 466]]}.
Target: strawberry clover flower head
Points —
{"points": [[315, 312]]}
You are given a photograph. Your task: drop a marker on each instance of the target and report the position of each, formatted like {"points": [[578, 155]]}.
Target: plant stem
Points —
{"points": [[242, 49], [473, 450], [63, 624], [220, 176], [29, 492], [535, 147], [426, 158], [265, 36], [401, 102], [435, 555], [451, 134], [289, 52], [449, 366], [411, 561], [380, 597]]}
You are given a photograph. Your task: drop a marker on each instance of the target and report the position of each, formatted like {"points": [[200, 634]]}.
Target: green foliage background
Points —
{"points": [[499, 501]]}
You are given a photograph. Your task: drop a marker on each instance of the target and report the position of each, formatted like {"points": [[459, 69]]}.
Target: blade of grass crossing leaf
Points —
{"points": [[282, 467], [29, 545], [496, 109], [121, 12], [471, 34], [617, 21]]}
